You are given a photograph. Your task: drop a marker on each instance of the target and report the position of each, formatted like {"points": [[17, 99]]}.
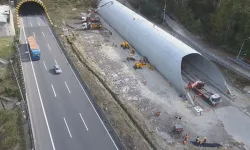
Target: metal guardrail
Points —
{"points": [[240, 63], [24, 98]]}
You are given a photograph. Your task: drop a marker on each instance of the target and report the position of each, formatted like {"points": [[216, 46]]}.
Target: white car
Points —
{"points": [[57, 69]]}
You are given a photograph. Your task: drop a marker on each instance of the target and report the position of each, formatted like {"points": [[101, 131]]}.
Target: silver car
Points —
{"points": [[57, 69]]}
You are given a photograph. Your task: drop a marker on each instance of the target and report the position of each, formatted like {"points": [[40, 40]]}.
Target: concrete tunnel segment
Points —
{"points": [[163, 50], [24, 4]]}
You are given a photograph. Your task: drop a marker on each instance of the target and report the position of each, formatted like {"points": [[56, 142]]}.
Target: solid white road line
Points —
{"points": [[53, 90], [83, 121], [67, 127], [43, 34], [30, 24], [38, 90], [49, 47], [81, 86], [31, 119], [56, 62], [67, 86], [34, 34], [44, 65]]}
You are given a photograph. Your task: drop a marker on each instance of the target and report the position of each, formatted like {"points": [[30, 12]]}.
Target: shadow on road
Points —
{"points": [[52, 71], [24, 53]]}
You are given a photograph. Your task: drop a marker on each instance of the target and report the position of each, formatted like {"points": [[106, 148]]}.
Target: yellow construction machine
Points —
{"points": [[139, 65], [125, 45], [142, 63]]}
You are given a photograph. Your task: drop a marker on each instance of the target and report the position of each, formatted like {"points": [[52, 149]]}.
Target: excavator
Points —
{"points": [[142, 63], [125, 45], [139, 65], [89, 21]]}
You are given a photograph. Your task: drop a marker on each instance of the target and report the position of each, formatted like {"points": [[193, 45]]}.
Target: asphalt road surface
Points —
{"points": [[62, 116]]}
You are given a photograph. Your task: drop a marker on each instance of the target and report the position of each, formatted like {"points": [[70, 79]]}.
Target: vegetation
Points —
{"points": [[8, 86], [11, 128], [5, 47], [9, 125], [222, 22], [71, 9]]}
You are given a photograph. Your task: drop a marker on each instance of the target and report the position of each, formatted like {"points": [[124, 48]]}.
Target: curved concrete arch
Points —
{"points": [[163, 50], [35, 1]]}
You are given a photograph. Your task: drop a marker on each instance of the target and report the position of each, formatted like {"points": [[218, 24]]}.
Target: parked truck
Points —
{"points": [[33, 48], [92, 26], [90, 19], [199, 88]]}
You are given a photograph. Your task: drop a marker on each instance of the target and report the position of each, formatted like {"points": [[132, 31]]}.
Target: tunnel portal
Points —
{"points": [[31, 8]]}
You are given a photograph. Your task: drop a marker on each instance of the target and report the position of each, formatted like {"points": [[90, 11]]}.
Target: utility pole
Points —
{"points": [[241, 48], [164, 12]]}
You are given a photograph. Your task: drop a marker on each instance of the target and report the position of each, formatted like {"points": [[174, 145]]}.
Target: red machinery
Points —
{"points": [[89, 19], [199, 88]]}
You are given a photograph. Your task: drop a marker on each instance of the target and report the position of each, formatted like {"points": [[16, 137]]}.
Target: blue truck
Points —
{"points": [[33, 48]]}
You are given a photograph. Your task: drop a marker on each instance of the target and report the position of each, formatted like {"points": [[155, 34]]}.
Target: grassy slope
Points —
{"points": [[10, 120], [8, 86], [5, 47], [62, 9], [9, 129]]}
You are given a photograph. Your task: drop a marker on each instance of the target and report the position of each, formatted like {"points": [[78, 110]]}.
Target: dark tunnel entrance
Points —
{"points": [[31, 8]]}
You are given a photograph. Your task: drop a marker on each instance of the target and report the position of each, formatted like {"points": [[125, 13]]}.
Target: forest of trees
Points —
{"points": [[225, 23]]}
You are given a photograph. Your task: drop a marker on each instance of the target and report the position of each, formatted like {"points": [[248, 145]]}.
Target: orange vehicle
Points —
{"points": [[95, 26]]}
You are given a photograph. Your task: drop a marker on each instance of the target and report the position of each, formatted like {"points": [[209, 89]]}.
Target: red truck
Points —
{"points": [[199, 88], [90, 19]]}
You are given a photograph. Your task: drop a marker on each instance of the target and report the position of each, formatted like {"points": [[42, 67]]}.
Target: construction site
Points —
{"points": [[167, 86]]}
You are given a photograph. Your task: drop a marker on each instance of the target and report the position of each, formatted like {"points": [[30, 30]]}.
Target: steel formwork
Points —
{"points": [[163, 50]]}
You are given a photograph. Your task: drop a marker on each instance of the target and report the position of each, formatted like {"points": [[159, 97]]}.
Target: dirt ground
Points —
{"points": [[142, 93], [130, 98]]}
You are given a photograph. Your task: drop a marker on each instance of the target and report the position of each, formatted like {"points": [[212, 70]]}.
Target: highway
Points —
{"points": [[62, 115]]}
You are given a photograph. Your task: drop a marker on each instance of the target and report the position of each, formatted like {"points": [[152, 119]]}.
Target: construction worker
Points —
{"points": [[185, 137], [200, 143], [205, 140], [197, 139], [184, 142]]}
